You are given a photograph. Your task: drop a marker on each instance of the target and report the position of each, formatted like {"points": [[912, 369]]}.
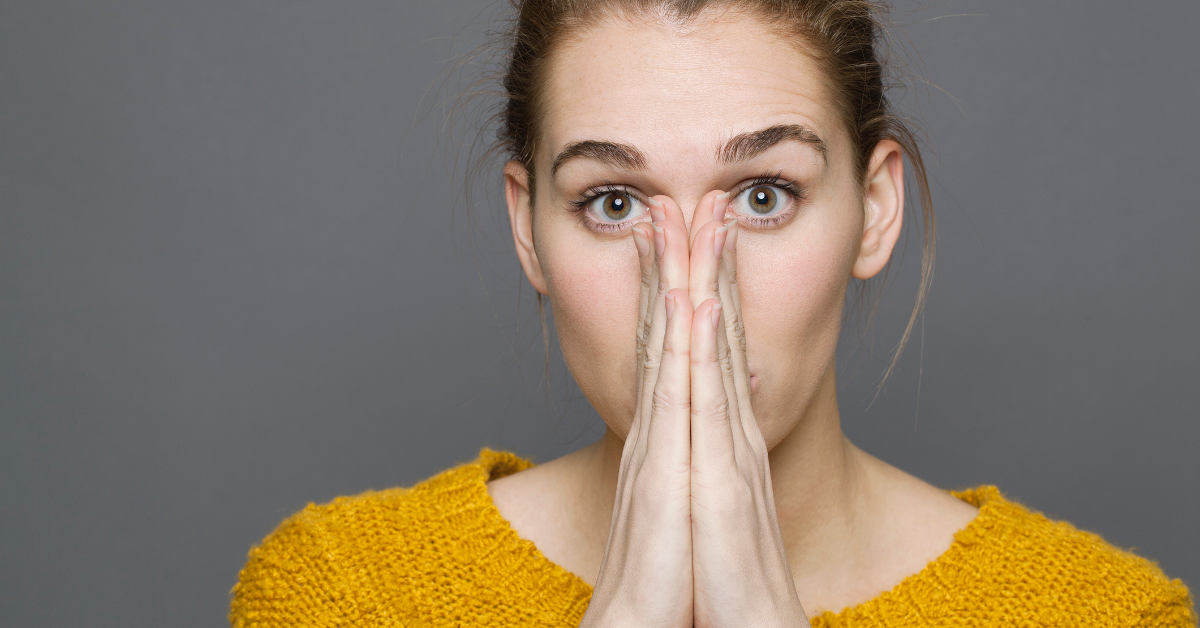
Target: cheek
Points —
{"points": [[789, 295], [792, 289], [594, 294]]}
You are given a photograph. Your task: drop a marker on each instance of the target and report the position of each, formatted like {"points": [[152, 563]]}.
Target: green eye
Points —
{"points": [[616, 206], [763, 199]]}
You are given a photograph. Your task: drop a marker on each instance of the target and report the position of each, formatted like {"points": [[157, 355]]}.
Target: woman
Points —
{"points": [[693, 185]]}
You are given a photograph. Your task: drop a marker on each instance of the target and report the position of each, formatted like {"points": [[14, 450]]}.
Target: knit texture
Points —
{"points": [[440, 554]]}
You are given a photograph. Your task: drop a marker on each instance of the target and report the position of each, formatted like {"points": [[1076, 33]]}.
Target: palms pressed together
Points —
{"points": [[694, 539]]}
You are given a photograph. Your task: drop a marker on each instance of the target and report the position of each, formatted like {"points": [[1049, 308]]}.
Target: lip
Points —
{"points": [[753, 381]]}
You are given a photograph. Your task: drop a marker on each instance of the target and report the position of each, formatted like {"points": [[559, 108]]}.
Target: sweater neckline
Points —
{"points": [[493, 465]]}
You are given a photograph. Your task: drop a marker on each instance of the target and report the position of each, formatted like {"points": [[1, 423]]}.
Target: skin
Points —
{"points": [[727, 465]]}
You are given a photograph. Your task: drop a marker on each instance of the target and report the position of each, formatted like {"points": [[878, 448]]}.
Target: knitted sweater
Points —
{"points": [[440, 554]]}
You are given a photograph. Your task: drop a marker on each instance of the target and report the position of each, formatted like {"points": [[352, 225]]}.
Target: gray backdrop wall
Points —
{"points": [[231, 284]]}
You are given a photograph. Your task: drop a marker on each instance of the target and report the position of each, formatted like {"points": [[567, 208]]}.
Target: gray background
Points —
{"points": [[234, 278]]}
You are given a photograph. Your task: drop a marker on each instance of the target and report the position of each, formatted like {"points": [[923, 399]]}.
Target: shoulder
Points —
{"points": [[452, 500], [366, 554], [1011, 566], [1065, 576]]}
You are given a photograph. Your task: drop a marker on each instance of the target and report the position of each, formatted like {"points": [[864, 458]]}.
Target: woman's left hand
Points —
{"points": [[741, 575]]}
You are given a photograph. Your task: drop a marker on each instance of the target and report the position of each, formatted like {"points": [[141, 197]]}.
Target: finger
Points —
{"points": [[705, 261], [741, 416], [671, 242], [643, 239], [668, 437], [651, 326], [663, 207], [727, 285], [734, 337], [703, 279], [670, 249], [711, 208], [711, 427]]}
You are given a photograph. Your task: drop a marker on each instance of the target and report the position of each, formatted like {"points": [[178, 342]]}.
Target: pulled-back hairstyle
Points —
{"points": [[841, 36]]}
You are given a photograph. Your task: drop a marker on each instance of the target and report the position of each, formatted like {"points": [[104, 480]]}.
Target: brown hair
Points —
{"points": [[841, 35]]}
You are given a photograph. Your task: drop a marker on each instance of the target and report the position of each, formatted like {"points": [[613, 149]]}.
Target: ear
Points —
{"points": [[520, 215], [883, 207]]}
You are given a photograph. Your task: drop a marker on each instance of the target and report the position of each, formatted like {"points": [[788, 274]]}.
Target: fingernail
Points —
{"points": [[658, 210], [660, 241], [670, 306], [731, 237], [720, 204], [716, 314], [719, 239], [639, 240]]}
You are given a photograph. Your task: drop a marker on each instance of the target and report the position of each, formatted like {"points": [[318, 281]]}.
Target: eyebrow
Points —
{"points": [[621, 156], [742, 147], [747, 146]]}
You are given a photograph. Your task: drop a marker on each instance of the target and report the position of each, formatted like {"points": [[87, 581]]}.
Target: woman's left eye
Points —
{"points": [[614, 207], [762, 201]]}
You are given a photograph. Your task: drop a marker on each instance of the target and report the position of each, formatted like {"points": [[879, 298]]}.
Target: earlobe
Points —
{"points": [[883, 209], [519, 198]]}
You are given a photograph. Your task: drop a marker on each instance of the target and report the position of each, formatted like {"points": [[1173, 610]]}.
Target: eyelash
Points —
{"points": [[794, 191], [579, 207]]}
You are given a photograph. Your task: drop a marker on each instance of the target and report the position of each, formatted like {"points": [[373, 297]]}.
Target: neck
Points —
{"points": [[819, 480], [817, 476]]}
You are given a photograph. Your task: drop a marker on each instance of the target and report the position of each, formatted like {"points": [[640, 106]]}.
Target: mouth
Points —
{"points": [[753, 382]]}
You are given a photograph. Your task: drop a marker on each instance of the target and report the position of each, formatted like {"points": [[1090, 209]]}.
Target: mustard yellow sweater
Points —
{"points": [[440, 554]]}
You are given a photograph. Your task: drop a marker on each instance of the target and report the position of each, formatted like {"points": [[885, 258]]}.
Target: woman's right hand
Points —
{"points": [[646, 576]]}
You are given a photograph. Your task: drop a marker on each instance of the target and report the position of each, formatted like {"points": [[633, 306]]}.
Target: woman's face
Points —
{"points": [[635, 109]]}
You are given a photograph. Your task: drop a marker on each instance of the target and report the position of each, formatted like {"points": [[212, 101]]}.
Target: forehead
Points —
{"points": [[680, 90]]}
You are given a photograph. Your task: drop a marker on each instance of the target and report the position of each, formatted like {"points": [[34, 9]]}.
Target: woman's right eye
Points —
{"points": [[612, 208]]}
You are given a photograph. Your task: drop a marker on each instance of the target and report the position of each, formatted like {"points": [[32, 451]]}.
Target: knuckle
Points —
{"points": [[727, 368], [643, 334], [671, 351], [650, 363], [663, 285], [739, 331], [664, 402], [648, 282], [715, 408], [734, 316]]}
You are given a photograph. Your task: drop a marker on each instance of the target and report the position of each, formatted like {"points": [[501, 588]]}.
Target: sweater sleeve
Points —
{"points": [[292, 580], [1170, 608]]}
